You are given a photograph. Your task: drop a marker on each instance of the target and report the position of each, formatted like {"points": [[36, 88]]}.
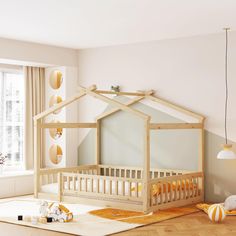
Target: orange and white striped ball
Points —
{"points": [[216, 213]]}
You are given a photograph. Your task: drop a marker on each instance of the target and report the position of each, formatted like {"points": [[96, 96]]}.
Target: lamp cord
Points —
{"points": [[226, 83]]}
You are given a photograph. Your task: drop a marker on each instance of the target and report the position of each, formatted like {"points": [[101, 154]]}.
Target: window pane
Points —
{"points": [[11, 117]]}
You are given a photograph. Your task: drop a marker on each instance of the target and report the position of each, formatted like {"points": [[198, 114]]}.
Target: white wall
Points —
{"points": [[16, 184], [18, 52], [187, 71]]}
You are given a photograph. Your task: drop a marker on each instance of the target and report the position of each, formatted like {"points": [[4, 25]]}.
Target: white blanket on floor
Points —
{"points": [[83, 224]]}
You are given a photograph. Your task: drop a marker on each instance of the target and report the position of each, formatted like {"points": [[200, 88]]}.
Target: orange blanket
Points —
{"points": [[157, 189], [205, 207]]}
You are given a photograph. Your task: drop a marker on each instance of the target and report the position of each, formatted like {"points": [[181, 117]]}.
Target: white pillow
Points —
{"points": [[230, 203]]}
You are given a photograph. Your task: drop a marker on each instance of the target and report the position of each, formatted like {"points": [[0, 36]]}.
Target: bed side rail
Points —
{"points": [[50, 175], [99, 186], [136, 172], [182, 188]]}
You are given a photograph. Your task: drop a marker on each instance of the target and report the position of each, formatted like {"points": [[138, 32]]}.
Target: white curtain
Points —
{"points": [[34, 104]]}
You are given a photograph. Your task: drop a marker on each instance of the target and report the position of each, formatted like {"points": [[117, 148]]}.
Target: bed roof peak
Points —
{"points": [[111, 92], [99, 94], [149, 95], [92, 91]]}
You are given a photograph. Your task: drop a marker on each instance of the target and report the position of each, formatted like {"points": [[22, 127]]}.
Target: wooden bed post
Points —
{"points": [[146, 167], [201, 158], [60, 182], [36, 156], [98, 146]]}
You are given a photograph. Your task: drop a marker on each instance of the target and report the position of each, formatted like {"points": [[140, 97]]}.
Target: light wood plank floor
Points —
{"points": [[196, 224]]}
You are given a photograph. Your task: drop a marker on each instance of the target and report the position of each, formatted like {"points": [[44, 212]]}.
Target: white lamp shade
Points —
{"points": [[226, 153]]}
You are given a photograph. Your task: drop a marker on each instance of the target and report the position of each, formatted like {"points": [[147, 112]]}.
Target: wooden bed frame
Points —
{"points": [[133, 188]]}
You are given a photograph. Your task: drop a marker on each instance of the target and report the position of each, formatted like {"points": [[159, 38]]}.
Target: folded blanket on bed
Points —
{"points": [[205, 207]]}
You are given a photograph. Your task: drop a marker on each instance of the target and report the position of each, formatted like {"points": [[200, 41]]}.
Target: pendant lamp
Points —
{"points": [[227, 152]]}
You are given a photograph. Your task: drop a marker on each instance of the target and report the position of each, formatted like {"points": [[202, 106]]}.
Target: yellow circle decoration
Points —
{"points": [[53, 101], [55, 133], [56, 79], [55, 153]]}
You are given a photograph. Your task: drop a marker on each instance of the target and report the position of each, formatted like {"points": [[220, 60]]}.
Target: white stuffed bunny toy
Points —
{"points": [[230, 203], [55, 212], [43, 210]]}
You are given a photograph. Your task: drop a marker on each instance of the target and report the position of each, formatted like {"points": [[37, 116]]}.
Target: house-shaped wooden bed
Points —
{"points": [[134, 188]]}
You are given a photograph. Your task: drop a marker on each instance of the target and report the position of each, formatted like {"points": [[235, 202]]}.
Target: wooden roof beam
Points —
{"points": [[116, 104], [68, 101], [114, 110], [173, 106], [59, 105], [138, 93], [125, 93]]}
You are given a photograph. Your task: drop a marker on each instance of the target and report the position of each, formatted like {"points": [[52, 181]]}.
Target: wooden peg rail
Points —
{"points": [[68, 125], [176, 126]]}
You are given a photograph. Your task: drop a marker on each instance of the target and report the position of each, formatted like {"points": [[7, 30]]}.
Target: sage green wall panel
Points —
{"points": [[123, 141], [86, 150]]}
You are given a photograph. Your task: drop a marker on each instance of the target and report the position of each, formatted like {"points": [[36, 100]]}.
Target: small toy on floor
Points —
{"points": [[43, 210], [55, 212], [20, 218], [43, 220], [49, 213], [27, 218], [216, 213], [49, 219], [34, 220], [60, 213]]}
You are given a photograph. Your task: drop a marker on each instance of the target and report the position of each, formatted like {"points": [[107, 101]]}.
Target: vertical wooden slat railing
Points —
{"points": [[49, 176], [175, 189], [100, 186]]}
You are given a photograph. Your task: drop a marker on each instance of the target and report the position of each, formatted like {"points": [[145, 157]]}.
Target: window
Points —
{"points": [[12, 118]]}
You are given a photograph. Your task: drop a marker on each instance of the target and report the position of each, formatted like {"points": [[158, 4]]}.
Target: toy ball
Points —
{"points": [[216, 213]]}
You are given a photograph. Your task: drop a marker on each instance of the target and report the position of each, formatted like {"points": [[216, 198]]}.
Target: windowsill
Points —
{"points": [[7, 174]]}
